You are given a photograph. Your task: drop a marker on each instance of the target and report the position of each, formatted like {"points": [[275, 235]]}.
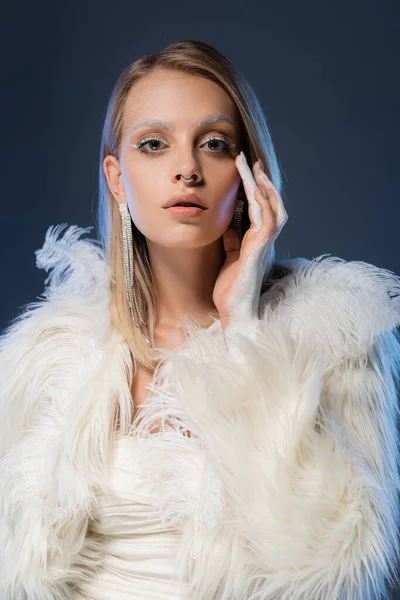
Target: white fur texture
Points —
{"points": [[287, 488]]}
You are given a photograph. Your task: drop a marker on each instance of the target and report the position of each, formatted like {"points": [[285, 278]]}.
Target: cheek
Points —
{"points": [[145, 201], [132, 182], [223, 208], [228, 197], [139, 188]]}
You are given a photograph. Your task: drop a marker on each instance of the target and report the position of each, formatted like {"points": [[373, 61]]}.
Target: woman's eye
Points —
{"points": [[227, 145], [146, 141]]}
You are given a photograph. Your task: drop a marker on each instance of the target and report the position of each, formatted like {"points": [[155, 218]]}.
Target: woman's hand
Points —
{"points": [[237, 290]]}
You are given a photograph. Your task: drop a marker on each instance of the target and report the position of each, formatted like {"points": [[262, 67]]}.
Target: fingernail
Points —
{"points": [[260, 163]]}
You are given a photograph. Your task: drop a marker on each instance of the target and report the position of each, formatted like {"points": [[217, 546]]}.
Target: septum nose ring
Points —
{"points": [[187, 180]]}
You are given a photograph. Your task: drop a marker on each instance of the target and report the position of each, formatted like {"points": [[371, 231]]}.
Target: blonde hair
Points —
{"points": [[196, 58]]}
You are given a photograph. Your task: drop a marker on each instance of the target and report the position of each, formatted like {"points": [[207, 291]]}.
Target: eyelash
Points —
{"points": [[139, 145]]}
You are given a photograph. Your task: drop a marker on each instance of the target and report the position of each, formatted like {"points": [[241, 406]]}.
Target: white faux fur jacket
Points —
{"points": [[298, 495]]}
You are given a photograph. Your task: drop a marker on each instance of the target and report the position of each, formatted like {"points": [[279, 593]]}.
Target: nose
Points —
{"points": [[187, 167]]}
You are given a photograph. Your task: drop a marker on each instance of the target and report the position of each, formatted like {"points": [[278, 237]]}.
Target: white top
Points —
{"points": [[139, 562], [140, 552]]}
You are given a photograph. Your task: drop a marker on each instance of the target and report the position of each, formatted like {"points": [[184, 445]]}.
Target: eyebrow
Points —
{"points": [[167, 125]]}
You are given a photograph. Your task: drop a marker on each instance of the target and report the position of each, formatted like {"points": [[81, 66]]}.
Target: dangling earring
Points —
{"points": [[237, 222], [127, 250]]}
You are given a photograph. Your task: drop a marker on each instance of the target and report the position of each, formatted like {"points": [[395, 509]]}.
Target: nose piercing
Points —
{"points": [[187, 180]]}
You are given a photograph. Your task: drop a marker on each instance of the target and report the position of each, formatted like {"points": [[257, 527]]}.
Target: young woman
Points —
{"points": [[182, 415]]}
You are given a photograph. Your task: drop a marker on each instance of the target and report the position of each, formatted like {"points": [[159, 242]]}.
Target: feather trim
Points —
{"points": [[76, 300], [341, 306], [302, 437], [60, 379], [286, 487]]}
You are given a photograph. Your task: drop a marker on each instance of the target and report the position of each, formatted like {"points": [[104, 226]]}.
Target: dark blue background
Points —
{"points": [[327, 76]]}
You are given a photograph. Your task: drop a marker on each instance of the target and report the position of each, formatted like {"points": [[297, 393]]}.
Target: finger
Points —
{"points": [[250, 187], [275, 199], [268, 215]]}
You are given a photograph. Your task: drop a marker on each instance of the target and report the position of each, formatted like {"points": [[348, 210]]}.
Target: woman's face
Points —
{"points": [[147, 175]]}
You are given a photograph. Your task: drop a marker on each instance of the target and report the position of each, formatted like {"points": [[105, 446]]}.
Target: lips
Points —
{"points": [[185, 199]]}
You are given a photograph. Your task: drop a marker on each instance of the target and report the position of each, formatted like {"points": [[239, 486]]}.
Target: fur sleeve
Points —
{"points": [[333, 446], [297, 496], [44, 355], [78, 278]]}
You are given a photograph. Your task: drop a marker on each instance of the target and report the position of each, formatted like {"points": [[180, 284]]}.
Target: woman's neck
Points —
{"points": [[184, 281]]}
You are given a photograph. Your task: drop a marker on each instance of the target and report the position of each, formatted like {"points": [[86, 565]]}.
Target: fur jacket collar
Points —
{"points": [[298, 495]]}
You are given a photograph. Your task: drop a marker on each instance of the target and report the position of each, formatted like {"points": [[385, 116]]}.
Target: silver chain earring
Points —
{"points": [[237, 222], [127, 251]]}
